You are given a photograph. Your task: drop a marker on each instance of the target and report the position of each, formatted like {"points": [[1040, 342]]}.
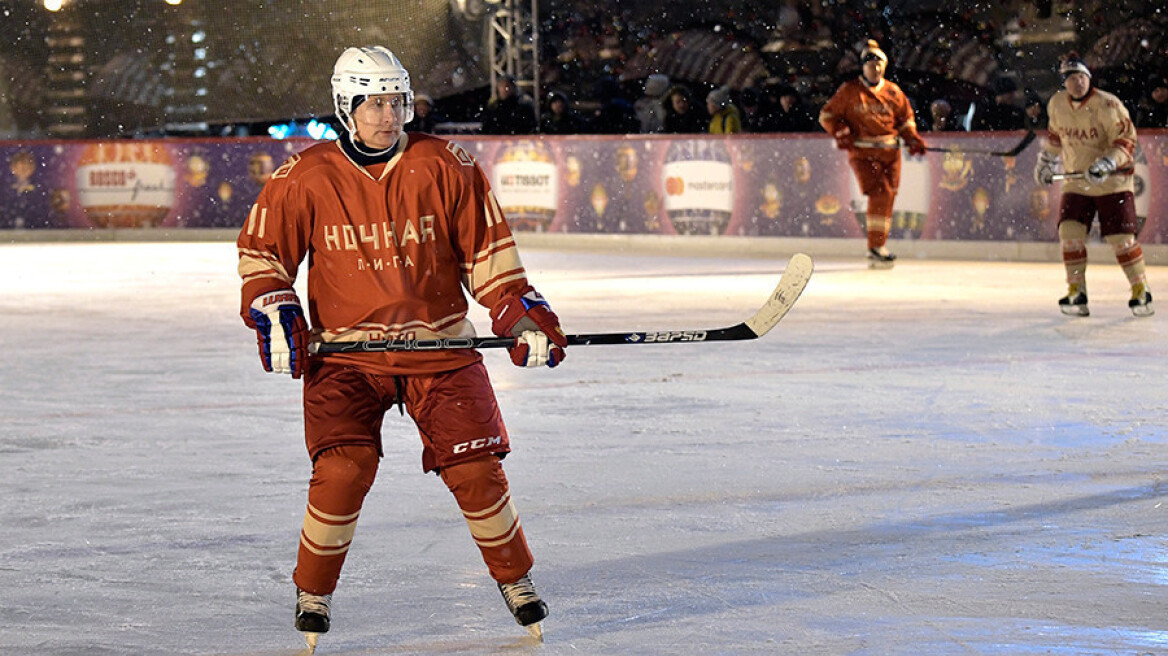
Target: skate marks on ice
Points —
{"points": [[863, 578], [1000, 494], [337, 646]]}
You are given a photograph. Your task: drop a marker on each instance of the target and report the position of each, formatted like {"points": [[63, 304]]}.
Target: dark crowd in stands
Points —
{"points": [[587, 87]]}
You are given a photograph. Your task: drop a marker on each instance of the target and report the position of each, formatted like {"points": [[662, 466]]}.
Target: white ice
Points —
{"points": [[927, 460]]}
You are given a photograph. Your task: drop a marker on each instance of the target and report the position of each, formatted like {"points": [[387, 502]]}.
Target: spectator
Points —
{"points": [[560, 118], [942, 114], [724, 115], [791, 115], [648, 107], [1003, 112], [1152, 109], [750, 104], [1035, 109], [680, 115], [425, 118], [769, 107], [616, 114], [508, 112]]}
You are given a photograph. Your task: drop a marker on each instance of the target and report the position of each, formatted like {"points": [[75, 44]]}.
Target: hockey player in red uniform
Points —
{"points": [[1091, 134], [395, 227], [869, 117]]}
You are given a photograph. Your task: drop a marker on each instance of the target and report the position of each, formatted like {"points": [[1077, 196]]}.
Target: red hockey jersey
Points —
{"points": [[877, 114], [390, 248]]}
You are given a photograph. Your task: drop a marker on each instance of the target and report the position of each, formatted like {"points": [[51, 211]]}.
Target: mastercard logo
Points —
{"points": [[674, 186]]}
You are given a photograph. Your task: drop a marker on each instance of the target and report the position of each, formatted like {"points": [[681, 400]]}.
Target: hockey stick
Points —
{"points": [[1027, 139], [790, 286], [1080, 175]]}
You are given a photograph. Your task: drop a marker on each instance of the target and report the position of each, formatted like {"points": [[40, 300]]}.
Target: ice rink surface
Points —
{"points": [[927, 460]]}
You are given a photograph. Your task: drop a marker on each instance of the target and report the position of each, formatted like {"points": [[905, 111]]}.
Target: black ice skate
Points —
{"points": [[880, 258], [525, 604], [312, 616], [1075, 302], [1141, 301]]}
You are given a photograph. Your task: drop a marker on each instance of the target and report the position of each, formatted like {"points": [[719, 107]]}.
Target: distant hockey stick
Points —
{"points": [[791, 285], [1080, 175], [1013, 152]]}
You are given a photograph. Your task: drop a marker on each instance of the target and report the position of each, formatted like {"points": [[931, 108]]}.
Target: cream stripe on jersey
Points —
{"points": [[257, 219], [493, 212], [257, 264], [454, 325], [494, 266]]}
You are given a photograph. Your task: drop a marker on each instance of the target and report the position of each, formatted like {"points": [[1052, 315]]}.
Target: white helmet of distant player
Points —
{"points": [[369, 71]]}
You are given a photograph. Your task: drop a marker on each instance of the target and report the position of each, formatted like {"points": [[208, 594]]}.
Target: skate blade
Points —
{"points": [[1143, 311], [874, 264], [1075, 310], [536, 631], [310, 642]]}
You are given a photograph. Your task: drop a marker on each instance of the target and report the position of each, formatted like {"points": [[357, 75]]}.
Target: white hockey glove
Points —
{"points": [[538, 349], [1046, 167], [281, 331], [1099, 170], [530, 319]]}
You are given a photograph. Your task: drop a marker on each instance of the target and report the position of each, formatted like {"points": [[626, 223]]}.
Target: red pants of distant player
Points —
{"points": [[878, 174]]}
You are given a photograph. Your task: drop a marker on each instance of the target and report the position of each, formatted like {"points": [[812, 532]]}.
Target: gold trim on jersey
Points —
{"points": [[492, 266], [455, 325], [254, 264]]}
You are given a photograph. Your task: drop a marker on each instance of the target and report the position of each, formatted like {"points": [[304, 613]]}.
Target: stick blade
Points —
{"points": [[791, 285]]}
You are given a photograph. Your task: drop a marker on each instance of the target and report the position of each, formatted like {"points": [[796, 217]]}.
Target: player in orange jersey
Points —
{"points": [[397, 229], [869, 117], [1091, 134]]}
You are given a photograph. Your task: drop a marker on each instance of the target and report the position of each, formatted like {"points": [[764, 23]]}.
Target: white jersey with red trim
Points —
{"points": [[390, 248], [1082, 132]]}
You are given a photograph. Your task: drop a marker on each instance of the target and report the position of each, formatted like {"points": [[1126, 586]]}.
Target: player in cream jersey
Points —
{"points": [[1092, 134]]}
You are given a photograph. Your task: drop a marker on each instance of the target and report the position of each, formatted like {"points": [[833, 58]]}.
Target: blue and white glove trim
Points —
{"points": [[282, 331]]}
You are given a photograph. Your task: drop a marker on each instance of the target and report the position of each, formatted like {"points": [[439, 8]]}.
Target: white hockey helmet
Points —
{"points": [[369, 71], [1072, 63]]}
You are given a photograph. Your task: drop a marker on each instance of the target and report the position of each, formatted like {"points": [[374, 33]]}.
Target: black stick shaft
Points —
{"points": [[737, 332], [790, 287]]}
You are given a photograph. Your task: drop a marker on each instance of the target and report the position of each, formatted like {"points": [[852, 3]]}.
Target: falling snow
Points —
{"points": [[924, 460]]}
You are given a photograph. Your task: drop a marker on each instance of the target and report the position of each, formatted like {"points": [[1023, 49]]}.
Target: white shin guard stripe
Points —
{"points": [[489, 511], [336, 551], [501, 540], [325, 538], [326, 517], [491, 528]]}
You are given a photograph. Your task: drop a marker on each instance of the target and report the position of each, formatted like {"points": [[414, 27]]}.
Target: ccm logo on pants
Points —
{"points": [[475, 445]]}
